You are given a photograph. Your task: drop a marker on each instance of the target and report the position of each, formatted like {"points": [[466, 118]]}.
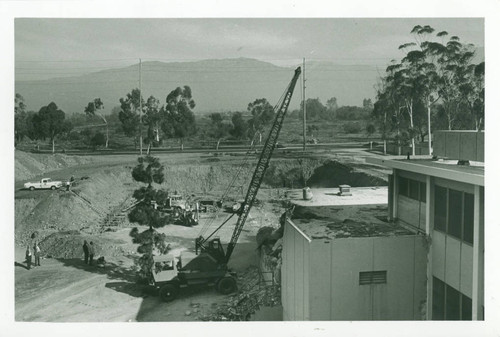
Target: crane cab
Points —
{"points": [[164, 268]]}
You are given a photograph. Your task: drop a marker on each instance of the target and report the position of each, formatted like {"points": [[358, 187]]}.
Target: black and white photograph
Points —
{"points": [[301, 170]]}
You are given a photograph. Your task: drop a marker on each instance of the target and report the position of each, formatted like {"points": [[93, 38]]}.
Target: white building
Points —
{"points": [[445, 201], [346, 262]]}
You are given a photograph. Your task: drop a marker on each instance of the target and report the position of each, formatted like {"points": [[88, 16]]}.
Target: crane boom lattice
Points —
{"points": [[262, 165]]}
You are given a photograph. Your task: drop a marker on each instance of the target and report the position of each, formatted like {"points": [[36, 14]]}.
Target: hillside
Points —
{"points": [[217, 85]]}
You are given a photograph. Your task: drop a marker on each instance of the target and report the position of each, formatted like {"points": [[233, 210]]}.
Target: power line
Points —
{"points": [[206, 69], [298, 59], [196, 82], [76, 60]]}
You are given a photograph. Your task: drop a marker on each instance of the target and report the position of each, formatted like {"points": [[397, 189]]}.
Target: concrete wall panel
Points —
{"points": [[307, 276], [438, 144], [452, 145], [468, 145], [466, 270], [287, 271], [409, 211], [299, 276], [452, 265], [438, 254], [420, 277], [295, 268], [320, 275], [465, 145], [421, 224], [480, 146], [349, 300], [404, 297]]}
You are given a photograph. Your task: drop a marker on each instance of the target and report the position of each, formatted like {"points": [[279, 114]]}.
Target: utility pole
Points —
{"points": [[140, 105], [304, 102]]}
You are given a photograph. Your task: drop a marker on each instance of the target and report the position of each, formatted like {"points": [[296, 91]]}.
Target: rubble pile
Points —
{"points": [[251, 296]]}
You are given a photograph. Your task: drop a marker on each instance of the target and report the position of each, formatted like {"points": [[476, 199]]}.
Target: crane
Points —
{"points": [[210, 265]]}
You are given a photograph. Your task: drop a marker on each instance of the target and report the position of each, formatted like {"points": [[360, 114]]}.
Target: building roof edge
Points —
{"points": [[440, 172]]}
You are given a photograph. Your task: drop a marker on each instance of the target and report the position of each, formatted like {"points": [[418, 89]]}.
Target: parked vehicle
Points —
{"points": [[45, 183]]}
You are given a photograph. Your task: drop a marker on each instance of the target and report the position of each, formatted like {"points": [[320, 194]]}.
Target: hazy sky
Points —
{"points": [[62, 47]]}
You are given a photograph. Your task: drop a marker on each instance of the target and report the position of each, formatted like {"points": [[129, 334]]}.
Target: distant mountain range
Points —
{"points": [[217, 85]]}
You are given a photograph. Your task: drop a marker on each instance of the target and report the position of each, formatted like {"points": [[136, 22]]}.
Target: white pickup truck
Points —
{"points": [[45, 183]]}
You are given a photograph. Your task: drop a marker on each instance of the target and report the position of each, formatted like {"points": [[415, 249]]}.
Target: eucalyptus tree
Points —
{"points": [[50, 122], [20, 126], [152, 119], [453, 62], [423, 56], [403, 82], [177, 117], [380, 116], [218, 129], [262, 114], [92, 109], [472, 90], [389, 105], [130, 114]]}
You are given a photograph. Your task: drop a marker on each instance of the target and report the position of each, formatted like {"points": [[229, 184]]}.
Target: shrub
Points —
{"points": [[352, 127]]}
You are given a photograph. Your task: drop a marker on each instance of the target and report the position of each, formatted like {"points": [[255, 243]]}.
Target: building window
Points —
{"points": [[438, 289], [423, 192], [452, 310], [414, 187], [455, 211], [468, 218], [372, 277], [448, 303], [403, 186], [466, 308], [440, 204]]}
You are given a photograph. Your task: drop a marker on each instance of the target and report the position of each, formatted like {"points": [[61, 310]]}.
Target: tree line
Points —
{"points": [[434, 86], [149, 122], [144, 120]]}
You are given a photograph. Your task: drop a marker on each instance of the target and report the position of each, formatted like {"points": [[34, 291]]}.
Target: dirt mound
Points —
{"points": [[84, 207], [58, 211], [333, 174], [108, 189], [68, 245], [205, 178], [28, 165]]}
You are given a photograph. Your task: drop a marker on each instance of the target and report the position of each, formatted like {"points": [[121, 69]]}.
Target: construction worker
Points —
{"points": [[91, 253], [28, 257], [86, 251], [37, 251]]}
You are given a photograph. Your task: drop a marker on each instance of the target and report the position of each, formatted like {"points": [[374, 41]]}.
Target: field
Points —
{"points": [[319, 131], [63, 288]]}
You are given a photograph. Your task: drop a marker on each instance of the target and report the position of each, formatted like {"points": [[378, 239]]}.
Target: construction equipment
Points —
{"points": [[209, 264]]}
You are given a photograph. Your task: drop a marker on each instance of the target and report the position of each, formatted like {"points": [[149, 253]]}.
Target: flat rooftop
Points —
{"points": [[354, 221], [447, 169], [329, 196]]}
